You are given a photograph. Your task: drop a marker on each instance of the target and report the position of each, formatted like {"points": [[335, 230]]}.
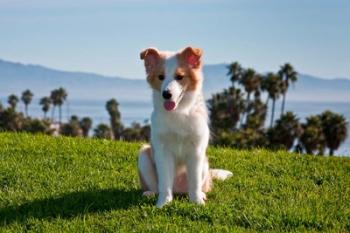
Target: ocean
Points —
{"points": [[138, 111]]}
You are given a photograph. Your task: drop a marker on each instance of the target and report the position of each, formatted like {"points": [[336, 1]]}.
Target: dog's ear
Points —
{"points": [[192, 57], [151, 57]]}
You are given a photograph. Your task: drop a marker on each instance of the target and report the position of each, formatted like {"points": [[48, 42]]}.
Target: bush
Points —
{"points": [[244, 138], [37, 126], [10, 120]]}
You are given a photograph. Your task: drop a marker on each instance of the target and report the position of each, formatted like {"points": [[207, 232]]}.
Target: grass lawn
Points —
{"points": [[64, 184]]}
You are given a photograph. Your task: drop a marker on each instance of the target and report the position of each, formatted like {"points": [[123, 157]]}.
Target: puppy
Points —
{"points": [[176, 160]]}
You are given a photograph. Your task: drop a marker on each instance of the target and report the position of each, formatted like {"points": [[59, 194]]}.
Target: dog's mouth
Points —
{"points": [[171, 105]]}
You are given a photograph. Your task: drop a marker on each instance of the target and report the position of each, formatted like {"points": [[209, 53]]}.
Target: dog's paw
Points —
{"points": [[148, 194], [199, 198], [163, 200], [204, 196]]}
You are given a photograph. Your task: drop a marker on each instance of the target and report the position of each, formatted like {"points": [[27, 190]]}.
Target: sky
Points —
{"points": [[106, 37]]}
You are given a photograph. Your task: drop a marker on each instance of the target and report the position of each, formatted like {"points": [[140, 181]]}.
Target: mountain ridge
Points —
{"points": [[14, 78]]}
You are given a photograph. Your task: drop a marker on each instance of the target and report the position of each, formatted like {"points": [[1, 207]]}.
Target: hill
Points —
{"points": [[15, 77], [63, 184]]}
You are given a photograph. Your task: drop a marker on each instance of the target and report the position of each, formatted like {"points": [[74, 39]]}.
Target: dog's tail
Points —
{"points": [[220, 174]]}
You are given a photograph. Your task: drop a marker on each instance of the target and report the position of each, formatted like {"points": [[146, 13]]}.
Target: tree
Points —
{"points": [[45, 103], [288, 75], [146, 132], [10, 120], [72, 128], [251, 81], [335, 130], [136, 132], [242, 138], [132, 133], [27, 97], [234, 72], [58, 96], [272, 84], [286, 130], [85, 125], [113, 111], [225, 109], [312, 138], [12, 100], [37, 126], [103, 131], [256, 113]]}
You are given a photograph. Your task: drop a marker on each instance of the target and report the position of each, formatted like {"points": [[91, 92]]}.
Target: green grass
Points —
{"points": [[63, 184]]}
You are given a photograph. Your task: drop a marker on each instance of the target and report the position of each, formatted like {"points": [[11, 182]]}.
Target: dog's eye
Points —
{"points": [[179, 77], [161, 77]]}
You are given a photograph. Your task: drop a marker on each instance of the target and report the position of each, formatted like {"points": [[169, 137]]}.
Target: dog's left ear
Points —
{"points": [[151, 57], [192, 57]]}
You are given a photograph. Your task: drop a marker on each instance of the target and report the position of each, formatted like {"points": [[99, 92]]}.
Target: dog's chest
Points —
{"points": [[179, 127], [177, 132], [177, 145]]}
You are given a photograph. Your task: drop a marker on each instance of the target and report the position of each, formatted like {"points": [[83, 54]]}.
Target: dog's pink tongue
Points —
{"points": [[169, 105]]}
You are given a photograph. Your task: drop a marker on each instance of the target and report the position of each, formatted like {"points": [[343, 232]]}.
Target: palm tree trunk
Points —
{"points": [[113, 127], [245, 110], [272, 112], [267, 107], [248, 102], [26, 109], [45, 114], [283, 103], [53, 114], [59, 114], [331, 152]]}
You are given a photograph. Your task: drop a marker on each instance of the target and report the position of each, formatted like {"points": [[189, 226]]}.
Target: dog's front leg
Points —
{"points": [[195, 161], [165, 164]]}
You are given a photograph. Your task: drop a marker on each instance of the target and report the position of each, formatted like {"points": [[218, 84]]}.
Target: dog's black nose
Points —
{"points": [[166, 94]]}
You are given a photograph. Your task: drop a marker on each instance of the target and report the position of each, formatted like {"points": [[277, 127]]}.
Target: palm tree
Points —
{"points": [[272, 84], [53, 97], [12, 100], [116, 125], [256, 113], [145, 132], [251, 81], [37, 126], [71, 128], [288, 75], [62, 95], [335, 130], [103, 131], [85, 125], [58, 97], [313, 138], [27, 97], [234, 72], [11, 120], [225, 109], [286, 130], [45, 103]]}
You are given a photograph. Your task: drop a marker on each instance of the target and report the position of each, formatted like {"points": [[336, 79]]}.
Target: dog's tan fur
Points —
{"points": [[176, 161]]}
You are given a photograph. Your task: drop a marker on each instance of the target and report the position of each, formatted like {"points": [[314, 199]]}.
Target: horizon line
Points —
{"points": [[129, 78]]}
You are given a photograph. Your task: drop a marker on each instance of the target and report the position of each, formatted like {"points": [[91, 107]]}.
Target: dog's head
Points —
{"points": [[176, 76]]}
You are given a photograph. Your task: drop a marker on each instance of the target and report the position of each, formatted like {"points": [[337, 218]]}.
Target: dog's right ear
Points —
{"points": [[151, 57]]}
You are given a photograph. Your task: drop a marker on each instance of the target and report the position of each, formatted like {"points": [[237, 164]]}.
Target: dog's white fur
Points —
{"points": [[176, 161]]}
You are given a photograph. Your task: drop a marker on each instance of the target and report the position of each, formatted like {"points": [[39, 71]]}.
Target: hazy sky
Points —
{"points": [[105, 36]]}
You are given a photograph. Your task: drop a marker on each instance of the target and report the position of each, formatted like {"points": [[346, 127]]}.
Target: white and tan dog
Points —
{"points": [[176, 161]]}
